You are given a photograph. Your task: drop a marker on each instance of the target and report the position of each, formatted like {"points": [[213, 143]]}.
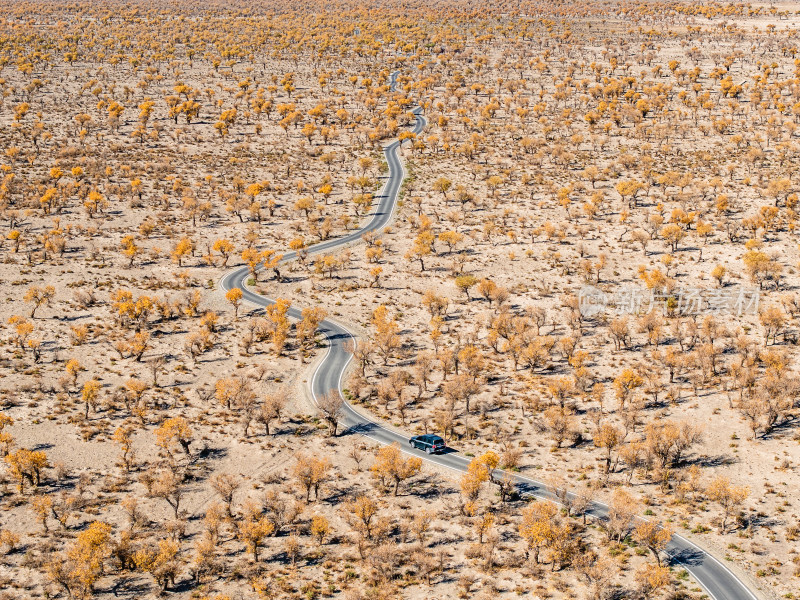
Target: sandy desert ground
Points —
{"points": [[157, 433]]}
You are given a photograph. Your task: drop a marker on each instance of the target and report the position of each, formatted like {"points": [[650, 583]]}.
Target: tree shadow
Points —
{"points": [[69, 318], [129, 586], [210, 453], [711, 461], [689, 557], [761, 520], [781, 428], [359, 429], [183, 586], [340, 495]]}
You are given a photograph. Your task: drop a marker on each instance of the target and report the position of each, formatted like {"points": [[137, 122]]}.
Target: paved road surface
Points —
{"points": [[712, 575]]}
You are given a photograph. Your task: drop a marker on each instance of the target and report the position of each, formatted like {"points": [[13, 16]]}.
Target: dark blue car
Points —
{"points": [[430, 443]]}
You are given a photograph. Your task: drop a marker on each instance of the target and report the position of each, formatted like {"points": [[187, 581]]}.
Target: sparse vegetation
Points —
{"points": [[157, 433]]}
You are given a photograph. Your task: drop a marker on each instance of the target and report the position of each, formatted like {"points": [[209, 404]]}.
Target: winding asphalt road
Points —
{"points": [[719, 582]]}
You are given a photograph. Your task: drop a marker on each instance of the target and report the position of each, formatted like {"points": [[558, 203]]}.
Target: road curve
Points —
{"points": [[717, 580]]}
